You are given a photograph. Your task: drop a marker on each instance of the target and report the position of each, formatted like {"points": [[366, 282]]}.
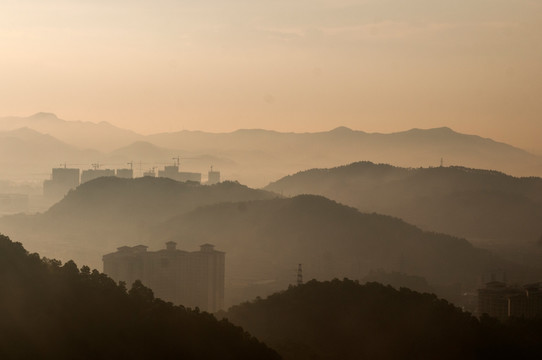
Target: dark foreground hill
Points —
{"points": [[49, 311], [109, 212], [344, 320], [483, 206], [265, 240]]}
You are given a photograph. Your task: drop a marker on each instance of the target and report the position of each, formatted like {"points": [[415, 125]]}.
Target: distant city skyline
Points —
{"points": [[371, 65]]}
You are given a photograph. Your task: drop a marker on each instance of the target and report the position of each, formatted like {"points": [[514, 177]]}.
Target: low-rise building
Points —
{"points": [[502, 301]]}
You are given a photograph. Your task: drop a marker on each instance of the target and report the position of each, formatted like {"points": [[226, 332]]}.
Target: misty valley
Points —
{"points": [[336, 255], [296, 180]]}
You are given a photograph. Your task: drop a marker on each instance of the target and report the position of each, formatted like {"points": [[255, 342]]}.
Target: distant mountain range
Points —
{"points": [[85, 135], [276, 152], [27, 154], [257, 157]]}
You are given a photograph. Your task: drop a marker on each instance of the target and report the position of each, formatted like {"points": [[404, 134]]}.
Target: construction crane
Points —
{"points": [[176, 161]]}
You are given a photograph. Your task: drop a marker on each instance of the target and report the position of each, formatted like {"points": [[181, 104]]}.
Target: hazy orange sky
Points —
{"points": [[288, 65]]}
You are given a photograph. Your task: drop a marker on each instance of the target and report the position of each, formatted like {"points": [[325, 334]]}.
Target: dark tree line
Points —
{"points": [[346, 320], [50, 310]]}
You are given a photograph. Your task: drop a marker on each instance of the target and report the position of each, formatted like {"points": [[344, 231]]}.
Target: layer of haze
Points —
{"points": [[296, 65]]}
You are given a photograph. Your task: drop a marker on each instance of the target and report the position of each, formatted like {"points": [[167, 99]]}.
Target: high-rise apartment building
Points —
{"points": [[172, 172], [88, 175], [213, 177], [193, 279], [62, 180]]}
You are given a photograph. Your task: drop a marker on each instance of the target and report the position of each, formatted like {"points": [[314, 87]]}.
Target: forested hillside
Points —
{"points": [[265, 240], [343, 320], [109, 212], [54, 311], [483, 206]]}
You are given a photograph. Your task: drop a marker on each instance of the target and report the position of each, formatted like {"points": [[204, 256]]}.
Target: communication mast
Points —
{"points": [[299, 275]]}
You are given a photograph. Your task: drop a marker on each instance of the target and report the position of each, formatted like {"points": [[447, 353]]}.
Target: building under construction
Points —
{"points": [[193, 279], [62, 180], [65, 179], [172, 172], [91, 174], [213, 177]]}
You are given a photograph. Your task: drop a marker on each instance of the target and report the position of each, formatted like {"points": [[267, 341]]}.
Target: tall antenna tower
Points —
{"points": [[299, 274]]}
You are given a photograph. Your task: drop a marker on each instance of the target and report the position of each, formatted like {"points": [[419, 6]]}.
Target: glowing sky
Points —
{"points": [[289, 65]]}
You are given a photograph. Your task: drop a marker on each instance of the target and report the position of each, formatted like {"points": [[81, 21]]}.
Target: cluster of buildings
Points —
{"points": [[501, 301], [172, 172], [64, 179], [192, 279]]}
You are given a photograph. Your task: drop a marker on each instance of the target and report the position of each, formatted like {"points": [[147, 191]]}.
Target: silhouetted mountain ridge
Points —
{"points": [[150, 199], [257, 157], [25, 151], [264, 237], [101, 136], [485, 206], [413, 148], [268, 238], [344, 320], [109, 212]]}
